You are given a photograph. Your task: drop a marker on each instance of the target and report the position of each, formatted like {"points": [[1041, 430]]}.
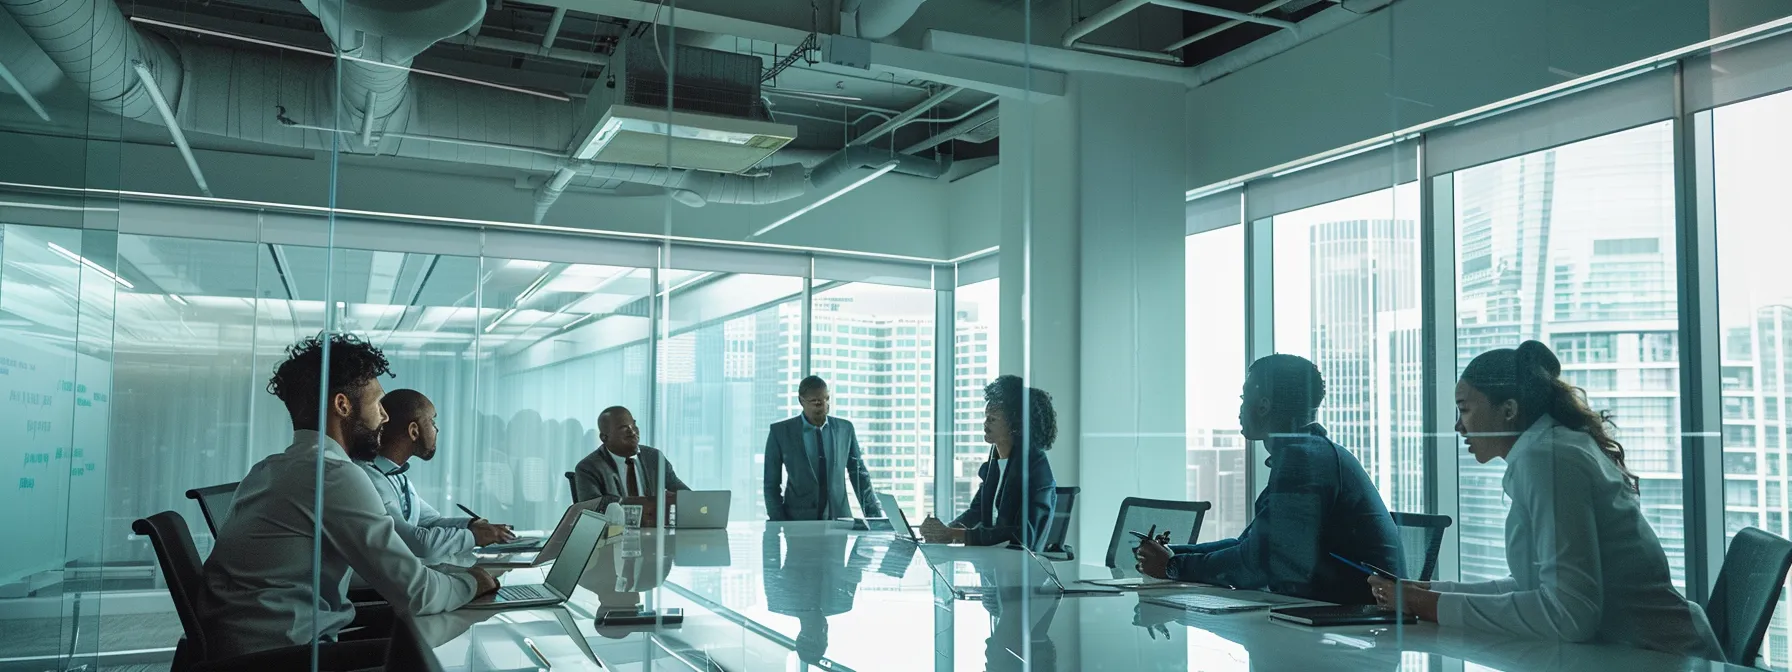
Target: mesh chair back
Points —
{"points": [[1421, 537], [179, 559], [572, 487], [1054, 537], [1181, 519], [214, 503], [406, 651], [1747, 589]]}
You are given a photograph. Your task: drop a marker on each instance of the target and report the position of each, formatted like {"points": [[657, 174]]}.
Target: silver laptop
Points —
{"points": [[703, 509], [549, 549], [562, 578], [899, 520]]}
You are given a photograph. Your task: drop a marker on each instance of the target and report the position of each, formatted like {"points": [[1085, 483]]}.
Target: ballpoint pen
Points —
{"points": [[475, 516], [544, 659]]}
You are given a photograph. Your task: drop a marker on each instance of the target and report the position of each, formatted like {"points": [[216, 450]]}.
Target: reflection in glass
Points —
{"points": [[977, 351]]}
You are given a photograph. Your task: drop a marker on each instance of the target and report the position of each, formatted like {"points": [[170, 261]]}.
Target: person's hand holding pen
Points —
{"points": [[1153, 554], [1394, 593], [484, 532]]}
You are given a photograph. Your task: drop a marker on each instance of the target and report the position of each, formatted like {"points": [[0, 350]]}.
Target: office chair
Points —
{"points": [[1747, 589], [214, 503], [1421, 536], [407, 651], [1167, 515], [179, 559], [572, 487], [1060, 528]]}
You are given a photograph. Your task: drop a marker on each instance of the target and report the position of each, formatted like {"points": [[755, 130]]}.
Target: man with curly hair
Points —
{"points": [[1016, 492], [1319, 502], [258, 592]]}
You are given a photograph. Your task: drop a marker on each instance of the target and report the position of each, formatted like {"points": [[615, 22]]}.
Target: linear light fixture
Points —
{"points": [[177, 299], [346, 57], [886, 167], [58, 249]]}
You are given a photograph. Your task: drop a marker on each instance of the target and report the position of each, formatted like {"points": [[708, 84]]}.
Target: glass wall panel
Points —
{"points": [[1217, 452], [1347, 298], [1574, 247], [1750, 146], [977, 352], [874, 346]]}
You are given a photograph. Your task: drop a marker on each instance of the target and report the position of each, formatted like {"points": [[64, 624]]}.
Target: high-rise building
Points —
{"points": [[1757, 400]]}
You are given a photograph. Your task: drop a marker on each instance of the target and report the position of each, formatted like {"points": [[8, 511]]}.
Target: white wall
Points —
{"points": [[895, 214], [974, 212], [1424, 59]]}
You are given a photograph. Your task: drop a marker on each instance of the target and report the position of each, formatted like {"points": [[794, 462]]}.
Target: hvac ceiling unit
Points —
{"points": [[716, 121]]}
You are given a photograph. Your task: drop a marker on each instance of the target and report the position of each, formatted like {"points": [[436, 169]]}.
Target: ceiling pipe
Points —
{"points": [[900, 119], [975, 122], [18, 87], [553, 32], [878, 19], [167, 114], [527, 49], [378, 40], [1332, 18], [66, 31], [1210, 32]]}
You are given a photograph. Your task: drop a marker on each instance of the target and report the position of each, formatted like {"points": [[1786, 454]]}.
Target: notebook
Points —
{"points": [[1208, 604], [1341, 614]]}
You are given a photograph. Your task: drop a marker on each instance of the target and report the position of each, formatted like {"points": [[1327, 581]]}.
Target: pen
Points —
{"points": [[475, 516], [544, 659], [1366, 568]]}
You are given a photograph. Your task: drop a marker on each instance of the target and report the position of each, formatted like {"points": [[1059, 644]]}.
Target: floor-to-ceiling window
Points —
{"points": [[976, 356], [1574, 246], [1217, 452], [1346, 296], [874, 345], [1751, 143]]}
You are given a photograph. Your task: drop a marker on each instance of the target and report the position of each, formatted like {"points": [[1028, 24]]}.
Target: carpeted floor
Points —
{"points": [[49, 636]]}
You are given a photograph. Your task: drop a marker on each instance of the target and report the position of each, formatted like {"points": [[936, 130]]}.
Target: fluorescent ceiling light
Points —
{"points": [[507, 313], [58, 249], [816, 94], [177, 299], [887, 167]]}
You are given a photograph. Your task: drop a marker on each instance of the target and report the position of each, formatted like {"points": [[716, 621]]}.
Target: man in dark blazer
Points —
{"points": [[621, 466], [820, 454]]}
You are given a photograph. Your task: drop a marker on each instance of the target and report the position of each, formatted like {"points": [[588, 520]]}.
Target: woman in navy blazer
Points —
{"points": [[1016, 492]]}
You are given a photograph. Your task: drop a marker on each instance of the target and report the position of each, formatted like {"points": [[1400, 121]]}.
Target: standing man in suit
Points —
{"points": [[621, 466], [817, 451]]}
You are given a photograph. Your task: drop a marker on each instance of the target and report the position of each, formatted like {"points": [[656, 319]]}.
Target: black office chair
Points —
{"points": [[407, 651], [572, 486], [1421, 536], [214, 503], [179, 559], [1167, 515], [1747, 589], [1054, 537]]}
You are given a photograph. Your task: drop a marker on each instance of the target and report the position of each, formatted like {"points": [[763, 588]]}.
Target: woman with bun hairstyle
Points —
{"points": [[1585, 564]]}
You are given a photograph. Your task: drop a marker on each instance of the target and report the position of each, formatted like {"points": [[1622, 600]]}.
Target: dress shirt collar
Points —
{"points": [[310, 441], [389, 468], [811, 425], [1532, 439]]}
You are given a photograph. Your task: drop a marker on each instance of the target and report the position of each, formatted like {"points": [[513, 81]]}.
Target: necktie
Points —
{"points": [[404, 495], [634, 490], [821, 469]]}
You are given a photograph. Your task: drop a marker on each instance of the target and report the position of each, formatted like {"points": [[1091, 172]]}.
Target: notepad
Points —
{"points": [[1341, 614], [1208, 604], [1136, 583]]}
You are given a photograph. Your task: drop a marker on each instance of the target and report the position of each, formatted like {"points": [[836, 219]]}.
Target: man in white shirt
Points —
{"points": [[259, 588], [411, 431]]}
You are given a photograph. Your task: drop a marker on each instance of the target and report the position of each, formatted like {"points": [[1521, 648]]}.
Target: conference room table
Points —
{"points": [[779, 596]]}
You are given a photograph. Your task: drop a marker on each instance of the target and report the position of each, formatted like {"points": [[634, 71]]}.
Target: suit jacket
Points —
{"points": [[596, 476], [800, 497], [1008, 512]]}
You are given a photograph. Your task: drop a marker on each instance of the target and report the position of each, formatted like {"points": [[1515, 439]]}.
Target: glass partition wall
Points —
{"points": [[1628, 221]]}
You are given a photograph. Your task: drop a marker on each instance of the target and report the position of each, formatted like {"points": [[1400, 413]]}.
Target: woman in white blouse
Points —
{"points": [[1585, 564]]}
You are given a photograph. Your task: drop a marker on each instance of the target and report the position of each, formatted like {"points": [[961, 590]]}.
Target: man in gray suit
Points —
{"points": [[816, 451], [621, 466]]}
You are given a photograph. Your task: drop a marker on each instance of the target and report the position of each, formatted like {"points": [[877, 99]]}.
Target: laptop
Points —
{"points": [[702, 509], [899, 522], [549, 548], [1052, 573], [563, 577]]}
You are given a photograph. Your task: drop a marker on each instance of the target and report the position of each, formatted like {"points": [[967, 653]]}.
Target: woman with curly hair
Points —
{"points": [[1015, 492]]}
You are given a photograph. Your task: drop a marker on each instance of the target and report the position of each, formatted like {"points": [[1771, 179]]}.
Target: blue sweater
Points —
{"points": [[1318, 501]]}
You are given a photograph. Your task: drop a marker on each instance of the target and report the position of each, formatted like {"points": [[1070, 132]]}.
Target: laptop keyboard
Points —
{"points": [[533, 591], [520, 545]]}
